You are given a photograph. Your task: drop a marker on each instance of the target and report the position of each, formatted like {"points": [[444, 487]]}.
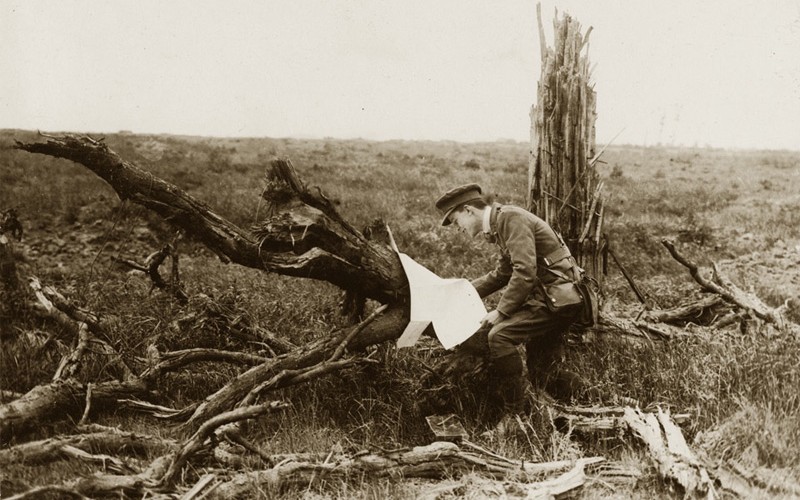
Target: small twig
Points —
{"points": [[590, 215], [159, 411], [294, 377], [88, 406], [563, 203], [151, 266], [597, 156], [483, 450], [235, 437], [599, 225], [70, 363], [171, 361], [108, 462], [132, 264], [628, 277], [358, 329]]}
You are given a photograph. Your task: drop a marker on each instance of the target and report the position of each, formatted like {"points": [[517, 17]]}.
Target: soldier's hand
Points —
{"points": [[492, 318]]}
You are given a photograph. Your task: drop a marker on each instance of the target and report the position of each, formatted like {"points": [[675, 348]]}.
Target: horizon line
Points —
{"points": [[312, 137]]}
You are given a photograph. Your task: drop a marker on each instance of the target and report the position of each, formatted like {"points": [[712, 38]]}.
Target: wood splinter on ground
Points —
{"points": [[696, 474], [671, 454]]}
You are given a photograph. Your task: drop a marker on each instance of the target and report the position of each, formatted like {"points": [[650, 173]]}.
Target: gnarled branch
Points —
{"points": [[310, 241]]}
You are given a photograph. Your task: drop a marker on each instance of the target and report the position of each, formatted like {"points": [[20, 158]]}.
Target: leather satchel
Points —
{"points": [[588, 288], [561, 294]]}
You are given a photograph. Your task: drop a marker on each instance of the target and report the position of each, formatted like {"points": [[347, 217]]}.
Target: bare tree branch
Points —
{"points": [[311, 241], [727, 290], [197, 440]]}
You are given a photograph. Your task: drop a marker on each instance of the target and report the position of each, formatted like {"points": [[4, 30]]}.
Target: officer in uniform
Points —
{"points": [[540, 300]]}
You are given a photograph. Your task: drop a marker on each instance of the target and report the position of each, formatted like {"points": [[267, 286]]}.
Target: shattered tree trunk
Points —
{"points": [[305, 238], [563, 187]]}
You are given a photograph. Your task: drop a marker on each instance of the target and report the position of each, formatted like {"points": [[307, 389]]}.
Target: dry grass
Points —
{"points": [[719, 205]]}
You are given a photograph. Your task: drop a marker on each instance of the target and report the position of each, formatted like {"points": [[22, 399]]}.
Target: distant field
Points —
{"points": [[740, 209]]}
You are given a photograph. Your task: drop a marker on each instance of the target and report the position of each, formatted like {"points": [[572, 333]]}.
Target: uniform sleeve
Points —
{"points": [[495, 279], [521, 243]]}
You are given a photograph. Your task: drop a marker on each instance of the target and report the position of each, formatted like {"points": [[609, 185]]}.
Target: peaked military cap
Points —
{"points": [[456, 197]]}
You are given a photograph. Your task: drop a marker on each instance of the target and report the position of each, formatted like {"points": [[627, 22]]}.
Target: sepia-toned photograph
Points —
{"points": [[352, 249]]}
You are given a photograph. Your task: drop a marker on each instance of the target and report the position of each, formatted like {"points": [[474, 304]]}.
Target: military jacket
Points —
{"points": [[525, 242]]}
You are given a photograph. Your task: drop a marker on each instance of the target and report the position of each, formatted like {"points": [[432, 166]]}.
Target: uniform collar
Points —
{"points": [[487, 220]]}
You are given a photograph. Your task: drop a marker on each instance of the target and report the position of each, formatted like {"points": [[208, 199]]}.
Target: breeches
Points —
{"points": [[542, 332], [529, 325]]}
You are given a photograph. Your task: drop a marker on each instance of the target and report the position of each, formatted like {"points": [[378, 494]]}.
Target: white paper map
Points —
{"points": [[453, 306]]}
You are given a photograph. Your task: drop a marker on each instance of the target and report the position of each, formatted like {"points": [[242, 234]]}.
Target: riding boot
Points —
{"points": [[509, 383], [545, 357]]}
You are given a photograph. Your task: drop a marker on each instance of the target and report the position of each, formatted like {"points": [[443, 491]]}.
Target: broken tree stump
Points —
{"points": [[564, 188]]}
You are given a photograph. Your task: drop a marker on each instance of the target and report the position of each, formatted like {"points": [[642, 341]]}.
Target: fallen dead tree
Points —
{"points": [[93, 440], [435, 461], [125, 478], [66, 397], [72, 397], [305, 238], [726, 305]]}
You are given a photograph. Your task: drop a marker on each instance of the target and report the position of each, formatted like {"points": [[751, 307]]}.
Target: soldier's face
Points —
{"points": [[468, 219]]}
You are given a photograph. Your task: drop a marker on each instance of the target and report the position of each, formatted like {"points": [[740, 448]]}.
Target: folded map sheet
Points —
{"points": [[453, 306]]}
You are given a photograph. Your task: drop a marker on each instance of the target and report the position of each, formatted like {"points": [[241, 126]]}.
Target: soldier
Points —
{"points": [[540, 300]]}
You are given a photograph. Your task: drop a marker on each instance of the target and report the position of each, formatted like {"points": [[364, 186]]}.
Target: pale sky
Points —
{"points": [[721, 73]]}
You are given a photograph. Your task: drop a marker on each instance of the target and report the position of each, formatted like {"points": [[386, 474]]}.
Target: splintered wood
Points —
{"points": [[564, 188], [670, 452]]}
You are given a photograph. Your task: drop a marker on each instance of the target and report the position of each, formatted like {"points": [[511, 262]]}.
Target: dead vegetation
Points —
{"points": [[93, 377], [212, 450]]}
